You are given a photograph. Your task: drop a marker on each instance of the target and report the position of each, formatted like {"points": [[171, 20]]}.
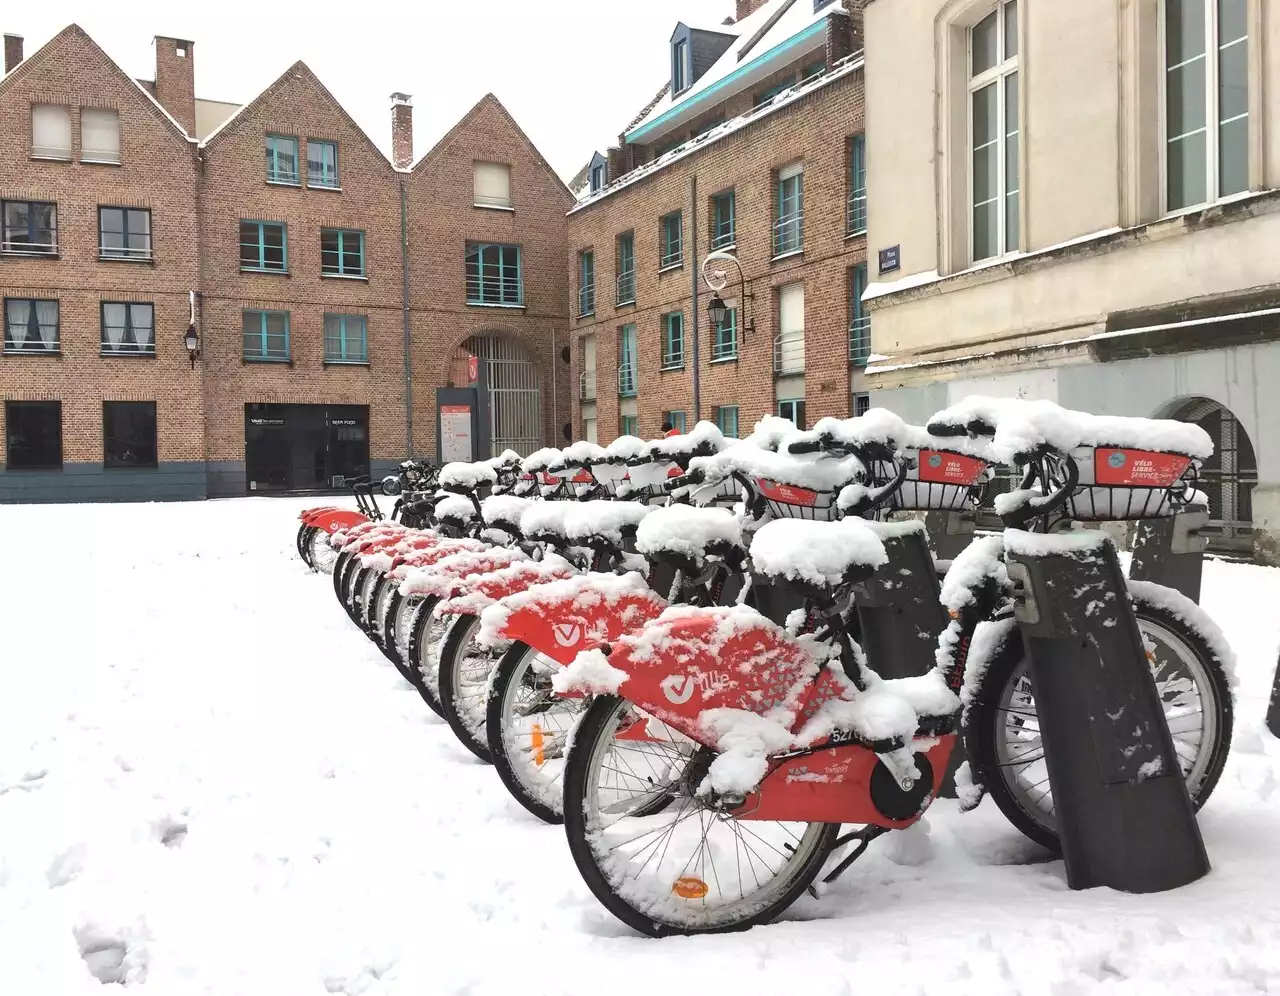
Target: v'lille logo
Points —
{"points": [[567, 634], [678, 688]]}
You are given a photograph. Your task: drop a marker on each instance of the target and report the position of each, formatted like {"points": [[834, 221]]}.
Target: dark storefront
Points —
{"points": [[304, 447]]}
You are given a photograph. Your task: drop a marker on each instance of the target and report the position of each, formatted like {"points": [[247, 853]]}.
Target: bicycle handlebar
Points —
{"points": [[1046, 504]]}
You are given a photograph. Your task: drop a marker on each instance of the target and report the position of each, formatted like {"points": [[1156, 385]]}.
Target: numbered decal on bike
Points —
{"points": [[941, 467], [1138, 468]]}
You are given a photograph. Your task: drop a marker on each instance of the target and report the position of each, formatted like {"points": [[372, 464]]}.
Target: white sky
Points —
{"points": [[572, 72]]}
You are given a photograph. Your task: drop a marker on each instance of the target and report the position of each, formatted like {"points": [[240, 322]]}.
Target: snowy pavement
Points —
{"points": [[210, 782]]}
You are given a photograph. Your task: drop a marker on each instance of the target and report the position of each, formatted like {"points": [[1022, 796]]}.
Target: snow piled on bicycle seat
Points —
{"points": [[604, 520], [500, 510], [817, 552], [703, 438], [687, 530], [547, 518], [539, 460], [455, 508], [468, 476], [813, 471], [1022, 427], [627, 448]]}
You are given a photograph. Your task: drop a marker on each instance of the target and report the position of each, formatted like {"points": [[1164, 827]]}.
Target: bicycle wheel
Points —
{"points": [[1002, 730], [375, 606], [303, 543], [341, 567], [320, 555], [464, 672], [425, 635], [689, 869]]}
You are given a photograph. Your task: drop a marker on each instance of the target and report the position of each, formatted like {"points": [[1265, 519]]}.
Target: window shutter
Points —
{"points": [[787, 172], [589, 353], [51, 131], [493, 184], [791, 309], [99, 135]]}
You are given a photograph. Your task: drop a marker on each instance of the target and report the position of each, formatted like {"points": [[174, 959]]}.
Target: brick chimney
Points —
{"points": [[854, 7], [748, 7], [176, 79], [12, 52], [401, 131]]}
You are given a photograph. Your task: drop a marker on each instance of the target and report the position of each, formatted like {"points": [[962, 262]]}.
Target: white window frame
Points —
{"points": [[1213, 124], [995, 75]]}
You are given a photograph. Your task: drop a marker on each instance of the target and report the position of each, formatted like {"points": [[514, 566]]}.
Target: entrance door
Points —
{"points": [[514, 398], [304, 447]]}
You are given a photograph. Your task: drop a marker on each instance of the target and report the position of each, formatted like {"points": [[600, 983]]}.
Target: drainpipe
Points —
{"points": [[697, 334], [408, 359]]}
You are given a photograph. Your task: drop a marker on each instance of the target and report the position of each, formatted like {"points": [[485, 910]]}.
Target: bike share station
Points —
{"points": [[462, 418]]}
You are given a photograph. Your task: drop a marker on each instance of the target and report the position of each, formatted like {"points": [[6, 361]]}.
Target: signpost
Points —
{"points": [[455, 433]]}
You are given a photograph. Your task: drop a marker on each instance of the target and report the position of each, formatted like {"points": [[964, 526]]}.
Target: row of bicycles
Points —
{"points": [[669, 646]]}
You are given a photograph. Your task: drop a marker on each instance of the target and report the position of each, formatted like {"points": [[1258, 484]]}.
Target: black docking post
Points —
{"points": [[1170, 551]]}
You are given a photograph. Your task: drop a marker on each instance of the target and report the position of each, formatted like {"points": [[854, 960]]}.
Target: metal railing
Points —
{"points": [[586, 300], [626, 287], [276, 175], [788, 233], [125, 252], [788, 353], [856, 212], [587, 385], [495, 290], [723, 240], [626, 381], [673, 359], [672, 255], [21, 247], [860, 340], [724, 349]]}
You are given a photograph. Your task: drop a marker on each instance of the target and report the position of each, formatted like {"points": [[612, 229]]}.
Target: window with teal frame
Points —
{"points": [[263, 247], [282, 159], [676, 418], [586, 283], [493, 275], [341, 252], [671, 236], [629, 425], [626, 287], [724, 340], [722, 220], [812, 69], [856, 215], [859, 320], [673, 341], [727, 420], [322, 164], [788, 228], [764, 96], [266, 336], [346, 339], [627, 362]]}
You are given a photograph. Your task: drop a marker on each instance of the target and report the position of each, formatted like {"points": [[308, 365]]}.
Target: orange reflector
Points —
{"points": [[536, 738], [1151, 657], [688, 887], [953, 613]]}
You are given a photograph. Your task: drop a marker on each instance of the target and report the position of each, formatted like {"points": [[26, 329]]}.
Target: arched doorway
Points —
{"points": [[514, 401], [1228, 477]]}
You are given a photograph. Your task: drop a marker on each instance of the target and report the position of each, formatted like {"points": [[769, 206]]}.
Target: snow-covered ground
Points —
{"points": [[210, 782]]}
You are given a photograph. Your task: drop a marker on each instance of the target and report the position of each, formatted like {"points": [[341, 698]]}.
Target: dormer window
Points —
{"points": [[597, 177], [679, 65]]}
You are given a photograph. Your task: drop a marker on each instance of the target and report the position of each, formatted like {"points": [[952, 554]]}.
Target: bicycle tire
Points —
{"points": [[452, 657]]}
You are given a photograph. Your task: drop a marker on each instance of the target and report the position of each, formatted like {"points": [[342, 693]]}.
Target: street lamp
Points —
{"points": [[716, 276]]}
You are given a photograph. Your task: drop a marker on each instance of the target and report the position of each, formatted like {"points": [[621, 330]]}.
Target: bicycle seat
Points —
{"points": [[686, 536], [544, 522], [816, 558], [605, 524], [504, 512], [455, 510], [466, 476], [703, 440]]}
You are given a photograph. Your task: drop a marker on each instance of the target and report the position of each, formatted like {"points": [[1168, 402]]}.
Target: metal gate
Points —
{"points": [[1228, 477], [515, 397]]}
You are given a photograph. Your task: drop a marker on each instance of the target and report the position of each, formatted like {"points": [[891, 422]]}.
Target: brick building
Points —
{"points": [[755, 149], [325, 284]]}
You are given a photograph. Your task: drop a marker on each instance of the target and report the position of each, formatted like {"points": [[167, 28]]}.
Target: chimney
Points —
{"points": [[401, 131], [748, 7], [854, 7], [176, 79], [12, 52]]}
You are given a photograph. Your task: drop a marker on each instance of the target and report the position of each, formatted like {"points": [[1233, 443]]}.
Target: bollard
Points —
{"points": [[1170, 551], [950, 532], [1124, 816]]}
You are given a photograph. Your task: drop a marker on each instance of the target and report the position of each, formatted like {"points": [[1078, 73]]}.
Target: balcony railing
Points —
{"points": [[586, 300], [856, 213], [495, 290], [25, 247], [673, 359], [626, 381], [860, 340], [723, 239], [788, 353], [627, 287], [724, 347], [587, 385], [788, 234], [283, 174]]}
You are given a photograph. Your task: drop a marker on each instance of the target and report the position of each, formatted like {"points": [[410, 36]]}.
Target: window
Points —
{"points": [[788, 347], [1206, 100], [629, 425], [813, 69], [50, 131], [124, 233], [994, 132], [673, 341], [675, 419], [859, 320], [587, 382], [31, 326], [322, 164], [128, 434], [128, 328], [764, 96], [341, 252], [627, 362], [586, 283], [671, 240], [99, 135], [282, 159], [856, 219], [30, 227], [793, 409], [788, 229], [597, 177], [266, 336], [263, 246], [33, 435], [722, 220], [627, 268], [493, 275], [724, 342], [861, 404], [589, 429], [346, 339], [492, 185], [706, 126], [679, 66], [727, 420]]}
